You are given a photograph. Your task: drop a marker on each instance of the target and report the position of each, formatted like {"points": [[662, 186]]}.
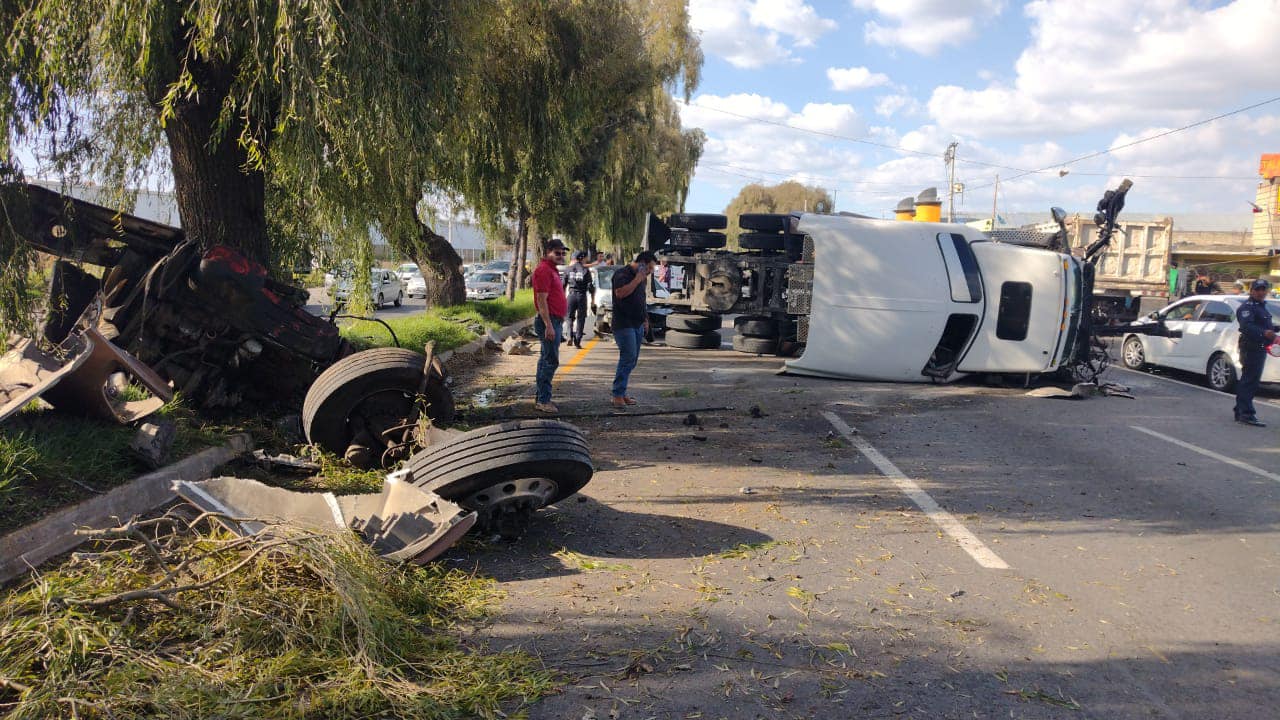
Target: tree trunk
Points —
{"points": [[220, 203], [517, 253], [530, 238], [441, 268]]}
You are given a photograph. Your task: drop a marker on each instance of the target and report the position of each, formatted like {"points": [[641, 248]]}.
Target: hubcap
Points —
{"points": [[1133, 353], [1218, 373]]}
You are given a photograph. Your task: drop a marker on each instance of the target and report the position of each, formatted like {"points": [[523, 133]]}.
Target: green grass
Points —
{"points": [[49, 459], [449, 327], [316, 626]]}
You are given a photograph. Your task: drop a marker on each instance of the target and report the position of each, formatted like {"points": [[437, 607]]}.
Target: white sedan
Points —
{"points": [[1208, 344], [384, 287]]}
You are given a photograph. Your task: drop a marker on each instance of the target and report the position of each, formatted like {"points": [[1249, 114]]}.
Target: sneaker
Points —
{"points": [[546, 407], [1251, 420]]}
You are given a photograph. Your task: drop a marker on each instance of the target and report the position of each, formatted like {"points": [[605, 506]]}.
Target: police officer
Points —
{"points": [[578, 281], [1257, 331]]}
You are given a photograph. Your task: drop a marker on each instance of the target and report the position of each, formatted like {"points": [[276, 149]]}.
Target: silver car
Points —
{"points": [[486, 285], [384, 287]]}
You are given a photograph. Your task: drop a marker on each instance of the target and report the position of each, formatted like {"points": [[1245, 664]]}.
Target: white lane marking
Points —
{"points": [[943, 519], [1218, 393], [1209, 453]]}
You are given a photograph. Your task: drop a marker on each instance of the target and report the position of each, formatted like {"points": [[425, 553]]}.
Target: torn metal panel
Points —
{"points": [[26, 372], [402, 522]]}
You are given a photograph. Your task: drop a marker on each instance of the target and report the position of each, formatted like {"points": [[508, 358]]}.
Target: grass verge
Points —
{"points": [[449, 327], [289, 626], [49, 459]]}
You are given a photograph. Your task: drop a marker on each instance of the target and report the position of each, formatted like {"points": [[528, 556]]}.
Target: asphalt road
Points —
{"points": [[875, 550]]}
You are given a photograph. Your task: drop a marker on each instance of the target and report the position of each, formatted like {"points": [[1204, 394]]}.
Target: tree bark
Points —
{"points": [[441, 268], [517, 253], [219, 201]]}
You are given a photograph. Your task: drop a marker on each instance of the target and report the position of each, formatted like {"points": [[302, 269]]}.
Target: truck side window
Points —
{"points": [[1015, 311], [962, 268]]}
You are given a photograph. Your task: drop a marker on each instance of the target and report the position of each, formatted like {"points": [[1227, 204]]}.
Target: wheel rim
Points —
{"points": [[1219, 374], [1133, 355]]}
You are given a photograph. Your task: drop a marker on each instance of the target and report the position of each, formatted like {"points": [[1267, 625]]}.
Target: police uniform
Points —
{"points": [[578, 281], [1255, 320]]}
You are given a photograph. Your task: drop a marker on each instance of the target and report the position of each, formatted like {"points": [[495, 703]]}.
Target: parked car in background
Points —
{"points": [[407, 271], [602, 300], [502, 266], [336, 273], [486, 285], [1208, 345], [416, 287], [384, 287]]}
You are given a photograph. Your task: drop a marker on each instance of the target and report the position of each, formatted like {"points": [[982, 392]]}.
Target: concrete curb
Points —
{"points": [[478, 345], [29, 546]]}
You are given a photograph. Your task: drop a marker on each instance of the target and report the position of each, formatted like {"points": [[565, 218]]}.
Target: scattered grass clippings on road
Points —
{"points": [[680, 392], [751, 550], [312, 626], [1045, 698], [448, 328], [579, 561]]}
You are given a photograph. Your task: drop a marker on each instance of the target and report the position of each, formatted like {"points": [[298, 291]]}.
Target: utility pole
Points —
{"points": [[950, 158], [995, 195]]}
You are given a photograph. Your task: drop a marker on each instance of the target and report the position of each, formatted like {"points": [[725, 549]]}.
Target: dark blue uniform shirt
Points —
{"points": [[1255, 320]]}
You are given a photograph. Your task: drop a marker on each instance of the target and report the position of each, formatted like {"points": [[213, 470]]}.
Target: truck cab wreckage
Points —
{"points": [[164, 314]]}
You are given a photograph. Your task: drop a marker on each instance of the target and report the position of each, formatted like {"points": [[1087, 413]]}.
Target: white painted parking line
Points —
{"points": [[943, 519], [1209, 453], [1256, 400]]}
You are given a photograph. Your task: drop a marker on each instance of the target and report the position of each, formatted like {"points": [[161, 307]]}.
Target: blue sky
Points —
{"points": [[1026, 86]]}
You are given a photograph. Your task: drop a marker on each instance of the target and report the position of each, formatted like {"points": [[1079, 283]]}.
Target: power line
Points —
{"points": [[1139, 141]]}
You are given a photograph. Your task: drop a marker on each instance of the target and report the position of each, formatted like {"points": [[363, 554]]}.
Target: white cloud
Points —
{"points": [[855, 78], [750, 34], [1097, 63], [925, 26], [888, 105], [791, 17]]}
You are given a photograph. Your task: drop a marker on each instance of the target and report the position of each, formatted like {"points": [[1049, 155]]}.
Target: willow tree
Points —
{"points": [[102, 85]]}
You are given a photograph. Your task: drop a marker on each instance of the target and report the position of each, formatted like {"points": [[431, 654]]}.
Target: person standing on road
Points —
{"points": [[1257, 331], [630, 321], [549, 301], [581, 286]]}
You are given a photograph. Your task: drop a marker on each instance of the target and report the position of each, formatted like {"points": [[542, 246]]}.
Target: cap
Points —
{"points": [[580, 254], [1260, 284], [553, 244]]}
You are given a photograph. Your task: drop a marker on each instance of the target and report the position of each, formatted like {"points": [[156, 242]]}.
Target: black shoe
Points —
{"points": [[1250, 420]]}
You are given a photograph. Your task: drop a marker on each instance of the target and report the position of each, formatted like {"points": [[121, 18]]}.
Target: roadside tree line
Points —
{"points": [[286, 121]]}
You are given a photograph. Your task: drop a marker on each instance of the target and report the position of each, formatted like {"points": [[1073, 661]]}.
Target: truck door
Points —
{"points": [[1028, 311]]}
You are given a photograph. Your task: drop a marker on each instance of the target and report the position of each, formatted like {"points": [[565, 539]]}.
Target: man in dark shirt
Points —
{"points": [[549, 301], [1257, 331], [578, 281], [630, 320]]}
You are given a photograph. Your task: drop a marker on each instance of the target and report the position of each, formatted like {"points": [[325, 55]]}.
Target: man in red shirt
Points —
{"points": [[549, 301]]}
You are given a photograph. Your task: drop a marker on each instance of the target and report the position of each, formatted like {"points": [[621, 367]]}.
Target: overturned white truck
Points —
{"points": [[860, 298]]}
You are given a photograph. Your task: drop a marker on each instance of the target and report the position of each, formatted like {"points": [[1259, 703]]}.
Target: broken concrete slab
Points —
{"points": [[402, 523], [152, 442], [516, 346]]}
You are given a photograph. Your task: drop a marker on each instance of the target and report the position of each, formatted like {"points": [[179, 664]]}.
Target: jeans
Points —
{"points": [[548, 359], [577, 314], [628, 341], [1251, 362]]}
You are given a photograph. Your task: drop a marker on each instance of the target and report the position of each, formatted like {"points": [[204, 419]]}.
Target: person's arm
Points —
{"points": [[626, 290], [1249, 329], [540, 304]]}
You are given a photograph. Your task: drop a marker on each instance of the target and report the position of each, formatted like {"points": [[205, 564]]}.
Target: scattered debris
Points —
{"points": [[1080, 391], [402, 522], [515, 346], [152, 442], [699, 438], [690, 420], [746, 491], [754, 411], [284, 461]]}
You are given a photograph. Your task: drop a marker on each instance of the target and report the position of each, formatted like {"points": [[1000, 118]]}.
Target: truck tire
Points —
{"points": [[757, 326], [765, 222], [762, 241], [375, 386], [693, 341], [689, 323], [698, 221], [755, 345], [697, 240]]}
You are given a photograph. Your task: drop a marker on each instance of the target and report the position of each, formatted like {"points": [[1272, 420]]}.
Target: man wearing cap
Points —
{"points": [[1257, 331], [578, 281], [549, 301], [630, 321]]}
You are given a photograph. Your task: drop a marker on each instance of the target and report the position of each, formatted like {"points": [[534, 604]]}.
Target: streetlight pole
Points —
{"points": [[950, 158]]}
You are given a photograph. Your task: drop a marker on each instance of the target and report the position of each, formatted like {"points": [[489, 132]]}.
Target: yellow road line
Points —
{"points": [[577, 358]]}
